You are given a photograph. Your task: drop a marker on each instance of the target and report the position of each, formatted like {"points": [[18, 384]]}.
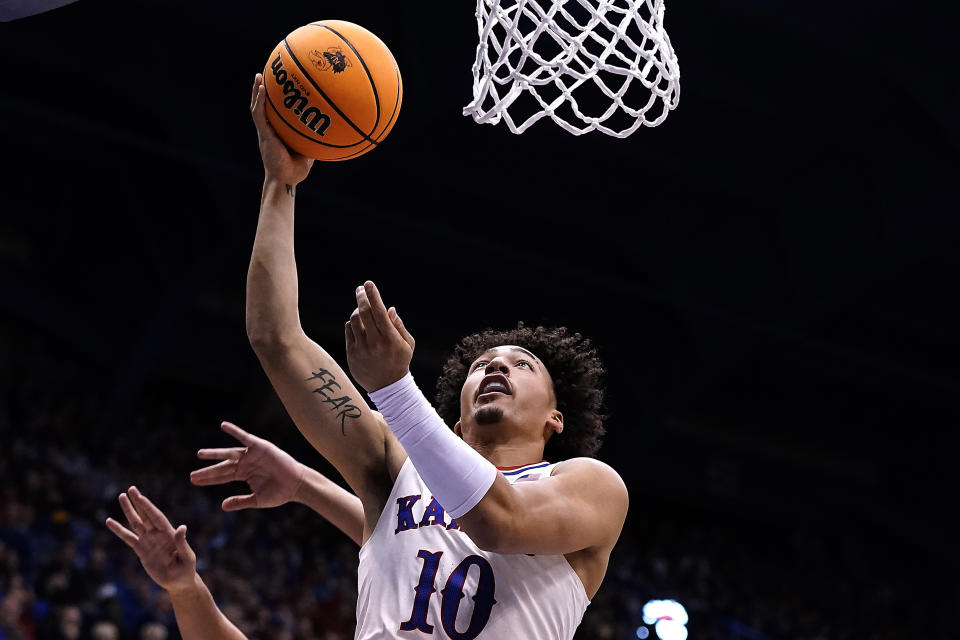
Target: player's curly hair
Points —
{"points": [[574, 367]]}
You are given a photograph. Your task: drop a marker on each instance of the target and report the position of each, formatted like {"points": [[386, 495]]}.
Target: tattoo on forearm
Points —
{"points": [[292, 190], [330, 391]]}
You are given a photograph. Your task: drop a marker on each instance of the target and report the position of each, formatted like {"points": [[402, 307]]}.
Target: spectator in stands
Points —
{"points": [[104, 630]]}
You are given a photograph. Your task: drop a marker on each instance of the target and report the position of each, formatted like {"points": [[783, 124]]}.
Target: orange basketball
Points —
{"points": [[333, 90]]}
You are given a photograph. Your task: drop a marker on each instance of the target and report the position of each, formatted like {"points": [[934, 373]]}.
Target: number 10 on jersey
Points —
{"points": [[451, 595]]}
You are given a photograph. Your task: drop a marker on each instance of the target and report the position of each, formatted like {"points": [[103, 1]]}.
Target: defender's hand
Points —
{"points": [[379, 347], [279, 163], [272, 473], [163, 550]]}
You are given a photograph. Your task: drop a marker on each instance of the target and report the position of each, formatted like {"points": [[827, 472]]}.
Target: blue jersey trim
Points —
{"points": [[525, 469]]}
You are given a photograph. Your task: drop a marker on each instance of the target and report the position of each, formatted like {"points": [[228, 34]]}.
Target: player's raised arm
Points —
{"points": [[276, 478], [171, 563], [316, 392]]}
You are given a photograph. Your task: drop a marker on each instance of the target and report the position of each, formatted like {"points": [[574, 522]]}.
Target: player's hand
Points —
{"points": [[163, 550], [272, 473], [379, 347], [279, 162]]}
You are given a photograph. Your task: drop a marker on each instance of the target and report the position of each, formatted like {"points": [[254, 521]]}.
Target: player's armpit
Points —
{"points": [[329, 411], [582, 505]]}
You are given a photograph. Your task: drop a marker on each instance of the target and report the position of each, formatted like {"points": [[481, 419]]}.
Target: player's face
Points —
{"points": [[508, 389]]}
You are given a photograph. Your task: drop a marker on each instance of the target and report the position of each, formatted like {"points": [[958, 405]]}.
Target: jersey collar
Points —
{"points": [[512, 471]]}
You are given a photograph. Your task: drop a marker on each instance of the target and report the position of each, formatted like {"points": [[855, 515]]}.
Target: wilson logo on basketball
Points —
{"points": [[333, 59], [315, 119]]}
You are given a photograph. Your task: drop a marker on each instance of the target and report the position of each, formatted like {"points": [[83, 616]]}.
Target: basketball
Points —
{"points": [[333, 90]]}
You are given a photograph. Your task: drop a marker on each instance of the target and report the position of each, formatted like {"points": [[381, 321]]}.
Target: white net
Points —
{"points": [[604, 65]]}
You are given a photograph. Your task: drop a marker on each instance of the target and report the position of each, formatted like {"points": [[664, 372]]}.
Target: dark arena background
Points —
{"points": [[770, 277]]}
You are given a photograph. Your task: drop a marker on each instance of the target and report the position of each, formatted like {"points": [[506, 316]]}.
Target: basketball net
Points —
{"points": [[550, 49]]}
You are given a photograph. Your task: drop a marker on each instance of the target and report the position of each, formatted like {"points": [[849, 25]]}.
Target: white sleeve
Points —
{"points": [[457, 475]]}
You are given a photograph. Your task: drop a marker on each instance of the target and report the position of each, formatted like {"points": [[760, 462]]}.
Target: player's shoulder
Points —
{"points": [[593, 473], [585, 465]]}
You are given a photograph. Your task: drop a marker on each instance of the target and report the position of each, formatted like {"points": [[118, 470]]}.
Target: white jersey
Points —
{"points": [[421, 575]]}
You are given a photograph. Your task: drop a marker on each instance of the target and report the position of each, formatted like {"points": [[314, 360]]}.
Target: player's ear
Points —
{"points": [[457, 430], [557, 419], [554, 423]]}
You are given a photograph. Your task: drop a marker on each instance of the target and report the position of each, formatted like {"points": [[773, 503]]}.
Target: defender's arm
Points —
{"points": [[337, 505], [276, 478], [198, 617], [172, 564]]}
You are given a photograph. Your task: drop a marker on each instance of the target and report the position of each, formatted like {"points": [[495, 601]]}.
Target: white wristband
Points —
{"points": [[457, 475]]}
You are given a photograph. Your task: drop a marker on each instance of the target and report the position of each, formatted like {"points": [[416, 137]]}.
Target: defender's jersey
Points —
{"points": [[420, 574]]}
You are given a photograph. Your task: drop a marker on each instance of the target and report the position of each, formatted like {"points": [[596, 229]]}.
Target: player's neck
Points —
{"points": [[510, 454]]}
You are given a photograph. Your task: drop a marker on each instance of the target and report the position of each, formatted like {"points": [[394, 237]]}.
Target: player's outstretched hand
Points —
{"points": [[163, 550], [379, 347], [278, 161], [272, 473]]}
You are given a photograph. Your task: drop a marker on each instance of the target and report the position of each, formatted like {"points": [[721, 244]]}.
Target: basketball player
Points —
{"points": [[441, 522], [473, 511]]}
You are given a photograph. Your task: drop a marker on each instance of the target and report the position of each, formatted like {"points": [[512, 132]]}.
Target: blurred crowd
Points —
{"points": [[285, 574]]}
